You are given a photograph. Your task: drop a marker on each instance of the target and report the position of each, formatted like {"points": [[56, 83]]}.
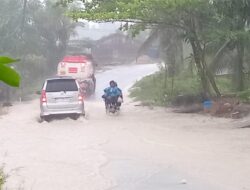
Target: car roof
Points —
{"points": [[60, 77]]}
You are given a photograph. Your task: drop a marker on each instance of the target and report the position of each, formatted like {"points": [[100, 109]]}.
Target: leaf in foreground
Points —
{"points": [[9, 76], [7, 60]]}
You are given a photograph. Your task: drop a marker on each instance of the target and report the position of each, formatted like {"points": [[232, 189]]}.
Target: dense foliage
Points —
{"points": [[37, 33], [216, 30]]}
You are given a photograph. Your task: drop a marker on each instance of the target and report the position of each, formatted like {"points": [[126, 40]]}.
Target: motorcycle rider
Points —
{"points": [[120, 98], [111, 94]]}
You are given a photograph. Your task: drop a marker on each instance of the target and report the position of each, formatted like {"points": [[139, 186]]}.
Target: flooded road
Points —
{"points": [[125, 76], [141, 149]]}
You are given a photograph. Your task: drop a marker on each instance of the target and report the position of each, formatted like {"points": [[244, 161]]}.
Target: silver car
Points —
{"points": [[61, 96]]}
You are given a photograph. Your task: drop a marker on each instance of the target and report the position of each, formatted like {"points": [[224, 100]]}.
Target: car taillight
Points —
{"points": [[43, 97], [80, 99]]}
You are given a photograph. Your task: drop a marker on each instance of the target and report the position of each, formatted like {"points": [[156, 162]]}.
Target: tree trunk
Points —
{"points": [[165, 78], [204, 72], [199, 56], [23, 16], [201, 71], [209, 75], [213, 83], [239, 75]]}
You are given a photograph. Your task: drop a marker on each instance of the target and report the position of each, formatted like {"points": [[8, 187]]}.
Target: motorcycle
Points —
{"points": [[113, 107]]}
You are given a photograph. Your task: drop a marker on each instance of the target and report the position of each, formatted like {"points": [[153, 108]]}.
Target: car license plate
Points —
{"points": [[62, 99]]}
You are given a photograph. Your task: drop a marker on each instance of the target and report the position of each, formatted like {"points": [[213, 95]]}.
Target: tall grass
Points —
{"points": [[160, 90]]}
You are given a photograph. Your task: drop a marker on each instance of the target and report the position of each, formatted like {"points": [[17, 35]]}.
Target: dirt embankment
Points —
{"points": [[227, 107]]}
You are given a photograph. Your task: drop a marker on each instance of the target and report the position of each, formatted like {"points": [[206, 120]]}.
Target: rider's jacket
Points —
{"points": [[112, 91]]}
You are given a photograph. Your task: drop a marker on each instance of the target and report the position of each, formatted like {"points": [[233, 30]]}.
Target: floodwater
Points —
{"points": [[140, 149]]}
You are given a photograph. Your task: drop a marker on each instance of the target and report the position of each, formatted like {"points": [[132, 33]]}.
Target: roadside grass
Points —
{"points": [[155, 90], [244, 96], [225, 85], [3, 178]]}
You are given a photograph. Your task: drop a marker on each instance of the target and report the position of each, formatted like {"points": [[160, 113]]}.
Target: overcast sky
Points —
{"points": [[96, 31], [93, 30]]}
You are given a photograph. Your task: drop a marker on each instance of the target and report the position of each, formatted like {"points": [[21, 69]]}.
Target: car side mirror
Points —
{"points": [[38, 92]]}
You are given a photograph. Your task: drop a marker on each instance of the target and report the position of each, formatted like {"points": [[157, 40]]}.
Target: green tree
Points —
{"points": [[193, 17], [37, 33], [54, 29], [234, 16]]}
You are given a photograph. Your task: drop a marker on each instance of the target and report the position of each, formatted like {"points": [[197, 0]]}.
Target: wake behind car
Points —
{"points": [[61, 96]]}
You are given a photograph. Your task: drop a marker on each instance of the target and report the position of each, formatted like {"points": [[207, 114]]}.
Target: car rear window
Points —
{"points": [[59, 85]]}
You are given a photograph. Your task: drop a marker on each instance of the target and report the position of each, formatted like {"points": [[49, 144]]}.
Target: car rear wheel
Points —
{"points": [[45, 118], [75, 116]]}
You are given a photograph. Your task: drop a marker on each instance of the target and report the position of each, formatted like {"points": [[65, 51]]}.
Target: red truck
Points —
{"points": [[82, 68]]}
